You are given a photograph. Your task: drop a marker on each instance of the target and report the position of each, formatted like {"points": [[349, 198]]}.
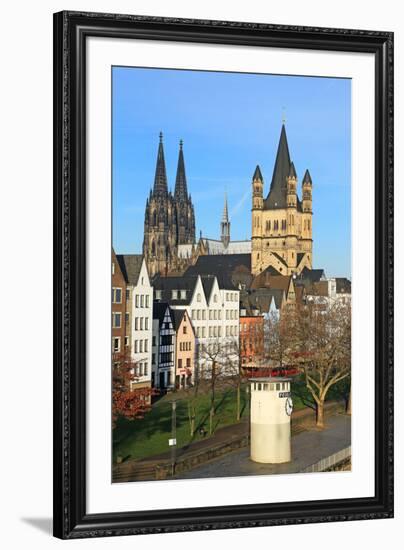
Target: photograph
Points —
{"points": [[230, 274]]}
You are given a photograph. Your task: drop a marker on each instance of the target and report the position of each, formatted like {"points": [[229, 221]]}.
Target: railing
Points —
{"points": [[329, 461]]}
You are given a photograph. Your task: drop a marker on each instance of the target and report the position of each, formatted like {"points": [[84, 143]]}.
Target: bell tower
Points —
{"points": [[257, 207]]}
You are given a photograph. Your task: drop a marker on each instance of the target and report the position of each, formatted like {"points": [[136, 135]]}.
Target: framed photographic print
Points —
{"points": [[223, 205]]}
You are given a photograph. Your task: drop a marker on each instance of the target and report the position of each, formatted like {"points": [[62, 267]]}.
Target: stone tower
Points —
{"points": [[281, 224], [225, 225], [169, 220], [183, 204]]}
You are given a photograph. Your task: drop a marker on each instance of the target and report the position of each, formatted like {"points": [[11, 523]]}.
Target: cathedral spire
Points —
{"points": [[160, 179], [181, 192], [225, 225], [277, 193]]}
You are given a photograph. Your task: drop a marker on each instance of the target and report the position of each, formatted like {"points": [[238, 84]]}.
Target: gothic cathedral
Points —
{"points": [[169, 219], [281, 223]]}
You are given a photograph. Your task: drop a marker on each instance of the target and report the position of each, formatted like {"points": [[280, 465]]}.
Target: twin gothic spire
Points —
{"points": [[160, 179]]}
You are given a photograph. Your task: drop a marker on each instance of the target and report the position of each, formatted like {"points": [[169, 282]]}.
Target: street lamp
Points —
{"points": [[173, 441]]}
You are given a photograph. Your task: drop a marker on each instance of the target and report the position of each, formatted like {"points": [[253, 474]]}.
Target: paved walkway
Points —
{"points": [[307, 448]]}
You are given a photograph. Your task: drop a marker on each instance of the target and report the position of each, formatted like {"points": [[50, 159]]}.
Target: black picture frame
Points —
{"points": [[71, 30]]}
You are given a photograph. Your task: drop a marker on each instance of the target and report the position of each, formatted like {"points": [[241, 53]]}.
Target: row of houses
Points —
{"points": [[174, 328]]}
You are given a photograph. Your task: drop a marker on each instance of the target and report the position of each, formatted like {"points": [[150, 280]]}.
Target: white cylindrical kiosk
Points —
{"points": [[271, 409]]}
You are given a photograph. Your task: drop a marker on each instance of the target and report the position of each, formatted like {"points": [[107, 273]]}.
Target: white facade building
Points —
{"points": [[140, 310], [214, 313]]}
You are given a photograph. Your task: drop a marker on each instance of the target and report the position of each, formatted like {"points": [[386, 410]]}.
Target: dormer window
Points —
{"points": [[198, 297], [158, 294]]}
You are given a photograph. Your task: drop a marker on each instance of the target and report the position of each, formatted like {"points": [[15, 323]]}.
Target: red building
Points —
{"points": [[118, 310], [251, 339]]}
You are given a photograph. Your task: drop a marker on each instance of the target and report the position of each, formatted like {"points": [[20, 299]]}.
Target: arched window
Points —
{"points": [[153, 248], [154, 217]]}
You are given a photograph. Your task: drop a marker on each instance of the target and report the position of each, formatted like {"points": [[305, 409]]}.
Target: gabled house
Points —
{"points": [[213, 309], [163, 349], [184, 349], [139, 315]]}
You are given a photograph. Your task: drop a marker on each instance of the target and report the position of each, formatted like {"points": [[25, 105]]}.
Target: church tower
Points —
{"points": [[225, 225], [281, 224], [160, 224], [183, 204]]}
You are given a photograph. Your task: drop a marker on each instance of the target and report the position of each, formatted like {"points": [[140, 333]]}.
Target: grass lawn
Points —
{"points": [[149, 436]]}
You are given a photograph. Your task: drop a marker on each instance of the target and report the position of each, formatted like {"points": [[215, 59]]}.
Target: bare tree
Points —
{"points": [[320, 345], [212, 362]]}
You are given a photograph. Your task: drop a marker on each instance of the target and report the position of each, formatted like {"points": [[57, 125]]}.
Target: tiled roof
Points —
{"points": [[130, 265], [221, 266]]}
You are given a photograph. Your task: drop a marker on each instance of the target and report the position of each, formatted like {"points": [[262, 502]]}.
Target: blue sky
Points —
{"points": [[230, 122]]}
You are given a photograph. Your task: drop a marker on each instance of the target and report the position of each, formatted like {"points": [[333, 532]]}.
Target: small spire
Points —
{"points": [[225, 225], [257, 174], [307, 177], [225, 217], [292, 171], [161, 137], [181, 144]]}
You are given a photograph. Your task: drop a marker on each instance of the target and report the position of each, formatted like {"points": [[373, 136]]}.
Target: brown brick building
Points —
{"points": [[251, 339], [118, 310]]}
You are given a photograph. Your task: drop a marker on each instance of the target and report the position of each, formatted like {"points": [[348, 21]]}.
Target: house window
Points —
{"points": [[126, 341], [174, 294], [141, 323], [188, 363], [116, 320], [137, 300], [140, 346], [158, 294], [215, 298], [147, 300], [136, 346], [140, 369], [116, 342], [141, 300], [113, 268], [146, 368], [180, 363], [117, 295], [136, 323], [146, 345], [126, 317], [146, 323], [153, 341], [183, 294], [153, 358], [198, 297], [184, 329]]}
